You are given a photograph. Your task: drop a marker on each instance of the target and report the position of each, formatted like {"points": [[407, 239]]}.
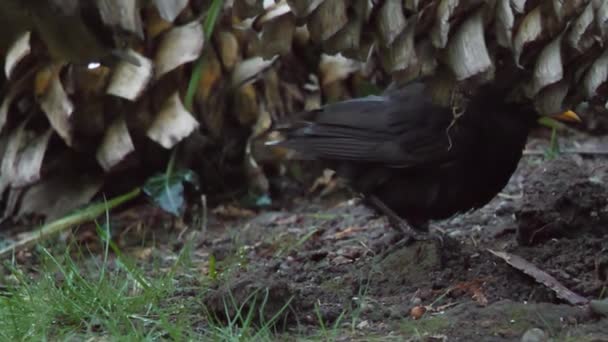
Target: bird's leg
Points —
{"points": [[396, 222], [407, 234]]}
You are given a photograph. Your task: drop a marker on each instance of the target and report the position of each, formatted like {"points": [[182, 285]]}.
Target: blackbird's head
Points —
{"points": [[503, 100]]}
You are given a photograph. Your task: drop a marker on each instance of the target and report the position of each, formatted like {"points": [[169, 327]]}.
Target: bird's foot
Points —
{"points": [[403, 239], [394, 243], [405, 233], [405, 229], [396, 222]]}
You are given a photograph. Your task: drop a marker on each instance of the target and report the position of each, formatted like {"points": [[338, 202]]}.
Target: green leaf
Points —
{"points": [[553, 150], [167, 189], [550, 122], [212, 267], [252, 200]]}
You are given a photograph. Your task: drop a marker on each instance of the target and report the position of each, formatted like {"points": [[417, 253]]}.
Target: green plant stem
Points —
{"points": [[84, 215]]}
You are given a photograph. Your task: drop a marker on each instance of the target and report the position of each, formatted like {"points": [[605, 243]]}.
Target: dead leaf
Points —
{"points": [[528, 31], [439, 32], [596, 75], [473, 288], [246, 105], [59, 194], [505, 19], [289, 220], [58, 108], [325, 180], [479, 296], [21, 85], [170, 9], [467, 50], [173, 123], [336, 68], [116, 144], [180, 45], [141, 253], [155, 24], [232, 212], [17, 52], [30, 159], [248, 70], [229, 49], [129, 81], [123, 14], [43, 78], [347, 232], [417, 312], [549, 67]]}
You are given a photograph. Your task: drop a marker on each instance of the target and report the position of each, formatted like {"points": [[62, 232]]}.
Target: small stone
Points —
{"points": [[504, 208], [455, 233], [486, 323], [350, 252], [367, 307], [534, 335], [340, 260], [363, 325]]}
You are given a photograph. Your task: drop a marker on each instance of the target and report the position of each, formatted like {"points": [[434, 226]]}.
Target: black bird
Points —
{"points": [[415, 160]]}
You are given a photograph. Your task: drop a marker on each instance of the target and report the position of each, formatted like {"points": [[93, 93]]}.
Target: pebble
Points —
{"points": [[367, 307], [340, 260], [534, 335], [504, 208], [455, 233], [363, 325]]}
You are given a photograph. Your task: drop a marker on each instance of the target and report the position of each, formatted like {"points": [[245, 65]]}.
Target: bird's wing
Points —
{"points": [[400, 131]]}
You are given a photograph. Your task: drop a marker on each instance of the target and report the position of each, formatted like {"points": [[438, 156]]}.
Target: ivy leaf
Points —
{"points": [[167, 189], [252, 200]]}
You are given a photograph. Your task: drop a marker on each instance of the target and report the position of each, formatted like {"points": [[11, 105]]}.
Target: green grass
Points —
{"points": [[244, 322], [66, 298], [425, 326], [208, 26], [77, 295]]}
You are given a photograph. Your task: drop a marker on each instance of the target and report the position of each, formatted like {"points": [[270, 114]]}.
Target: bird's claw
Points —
{"points": [[409, 237]]}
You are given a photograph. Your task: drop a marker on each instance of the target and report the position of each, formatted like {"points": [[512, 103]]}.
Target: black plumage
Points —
{"points": [[413, 156]]}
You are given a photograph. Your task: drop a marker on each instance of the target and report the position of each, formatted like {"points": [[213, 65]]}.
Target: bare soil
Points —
{"points": [[328, 258], [327, 267]]}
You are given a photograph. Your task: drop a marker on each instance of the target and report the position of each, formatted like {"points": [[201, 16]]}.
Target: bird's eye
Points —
{"points": [[93, 65]]}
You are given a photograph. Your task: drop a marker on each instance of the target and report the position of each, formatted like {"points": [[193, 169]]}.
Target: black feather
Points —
{"points": [[398, 148]]}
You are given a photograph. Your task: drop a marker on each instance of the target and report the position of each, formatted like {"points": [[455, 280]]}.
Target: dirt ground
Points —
{"points": [[328, 258], [324, 267]]}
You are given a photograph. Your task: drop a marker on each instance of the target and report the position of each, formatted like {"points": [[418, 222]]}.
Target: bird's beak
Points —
{"points": [[567, 116]]}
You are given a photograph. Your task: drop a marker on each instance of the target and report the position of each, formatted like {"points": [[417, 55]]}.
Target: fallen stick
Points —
{"points": [[542, 277]]}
